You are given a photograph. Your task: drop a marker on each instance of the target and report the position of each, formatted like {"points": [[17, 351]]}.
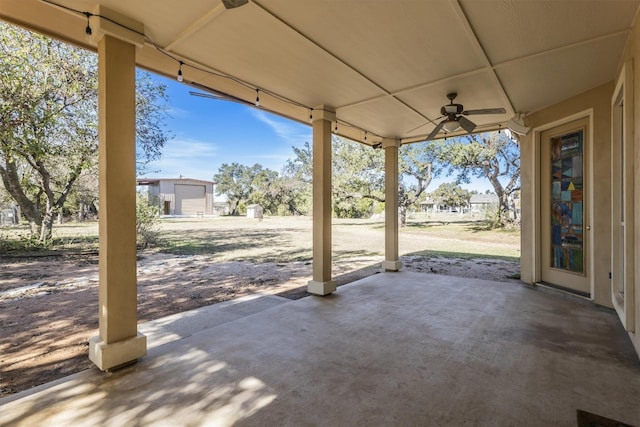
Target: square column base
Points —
{"points": [[321, 288], [392, 265], [108, 357]]}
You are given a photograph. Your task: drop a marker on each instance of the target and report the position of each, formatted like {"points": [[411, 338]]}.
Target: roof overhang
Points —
{"points": [[385, 67]]}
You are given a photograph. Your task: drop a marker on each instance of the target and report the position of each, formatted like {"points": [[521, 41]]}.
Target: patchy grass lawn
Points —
{"points": [[286, 239]]}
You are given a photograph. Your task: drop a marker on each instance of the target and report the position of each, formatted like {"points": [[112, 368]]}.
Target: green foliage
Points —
{"points": [[451, 194], [493, 216], [353, 208], [358, 176], [240, 182], [147, 220], [151, 113], [22, 243], [285, 194], [48, 125], [494, 156]]}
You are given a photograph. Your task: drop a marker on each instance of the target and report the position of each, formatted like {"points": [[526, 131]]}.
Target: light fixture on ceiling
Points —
{"points": [[232, 4], [451, 126], [179, 77], [88, 30], [516, 125]]}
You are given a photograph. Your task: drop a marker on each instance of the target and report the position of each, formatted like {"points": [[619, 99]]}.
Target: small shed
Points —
{"points": [[181, 196], [9, 216], [254, 211]]}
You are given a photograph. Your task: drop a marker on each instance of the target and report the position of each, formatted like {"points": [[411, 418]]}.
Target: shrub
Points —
{"points": [[147, 221]]}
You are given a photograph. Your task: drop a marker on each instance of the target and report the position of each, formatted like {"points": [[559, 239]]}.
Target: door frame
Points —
{"points": [[536, 253], [622, 203]]}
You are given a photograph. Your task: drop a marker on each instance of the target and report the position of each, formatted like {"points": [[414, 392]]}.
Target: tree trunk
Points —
{"points": [[46, 231], [503, 201], [403, 215], [11, 181]]}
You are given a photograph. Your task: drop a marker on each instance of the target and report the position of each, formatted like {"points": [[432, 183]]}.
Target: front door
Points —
{"points": [[563, 207]]}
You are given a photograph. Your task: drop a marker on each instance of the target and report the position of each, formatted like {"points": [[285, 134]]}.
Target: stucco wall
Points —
{"points": [[596, 102]]}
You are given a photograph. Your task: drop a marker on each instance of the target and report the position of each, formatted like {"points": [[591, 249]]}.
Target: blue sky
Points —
{"points": [[208, 133]]}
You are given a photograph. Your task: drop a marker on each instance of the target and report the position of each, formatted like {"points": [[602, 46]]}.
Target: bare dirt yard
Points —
{"points": [[49, 304]]}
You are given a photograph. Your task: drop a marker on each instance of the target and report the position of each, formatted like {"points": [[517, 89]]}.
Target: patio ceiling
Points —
{"points": [[384, 66]]}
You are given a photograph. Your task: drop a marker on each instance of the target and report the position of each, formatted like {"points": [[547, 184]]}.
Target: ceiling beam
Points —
{"points": [[195, 27], [466, 25], [385, 92]]}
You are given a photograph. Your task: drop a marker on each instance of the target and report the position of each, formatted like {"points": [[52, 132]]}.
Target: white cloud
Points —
{"points": [[290, 132], [189, 158], [178, 113]]}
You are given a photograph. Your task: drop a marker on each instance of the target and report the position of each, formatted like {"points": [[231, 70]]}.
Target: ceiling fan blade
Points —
{"points": [[435, 131], [424, 124], [485, 111], [466, 124]]}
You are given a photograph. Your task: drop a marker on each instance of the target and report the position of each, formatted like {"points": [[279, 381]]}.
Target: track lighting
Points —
{"points": [[257, 97]]}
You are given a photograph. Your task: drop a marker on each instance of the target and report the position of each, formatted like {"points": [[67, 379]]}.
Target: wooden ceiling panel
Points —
{"points": [[398, 44], [385, 116], [544, 80], [266, 53], [510, 29]]}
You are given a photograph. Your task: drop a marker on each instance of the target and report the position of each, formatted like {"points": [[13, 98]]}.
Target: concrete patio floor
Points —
{"points": [[392, 349]]}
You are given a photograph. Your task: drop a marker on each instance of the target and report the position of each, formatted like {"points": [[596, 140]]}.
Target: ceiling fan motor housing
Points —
{"points": [[451, 109]]}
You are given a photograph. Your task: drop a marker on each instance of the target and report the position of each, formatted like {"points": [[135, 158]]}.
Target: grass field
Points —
{"points": [[282, 239]]}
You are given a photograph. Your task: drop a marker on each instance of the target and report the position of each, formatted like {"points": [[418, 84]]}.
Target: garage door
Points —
{"points": [[190, 199]]}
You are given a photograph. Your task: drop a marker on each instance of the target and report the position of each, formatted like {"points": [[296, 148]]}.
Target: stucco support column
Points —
{"points": [[119, 342], [392, 261], [322, 283]]}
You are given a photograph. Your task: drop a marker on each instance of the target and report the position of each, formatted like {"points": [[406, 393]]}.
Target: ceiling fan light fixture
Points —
{"points": [[232, 4], [451, 126]]}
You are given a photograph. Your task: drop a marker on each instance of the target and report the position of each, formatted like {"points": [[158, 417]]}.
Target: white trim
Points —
{"points": [[537, 164], [623, 303]]}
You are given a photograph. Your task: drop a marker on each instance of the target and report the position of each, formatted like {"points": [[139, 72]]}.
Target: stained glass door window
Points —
{"points": [[567, 238]]}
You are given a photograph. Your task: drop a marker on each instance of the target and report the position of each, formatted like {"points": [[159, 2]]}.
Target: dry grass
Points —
{"points": [[285, 239]]}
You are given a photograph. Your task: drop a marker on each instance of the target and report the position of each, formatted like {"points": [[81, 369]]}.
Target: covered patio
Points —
{"points": [[397, 348], [391, 349]]}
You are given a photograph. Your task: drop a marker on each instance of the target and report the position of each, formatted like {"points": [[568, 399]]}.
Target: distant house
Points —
{"points": [[435, 205], [428, 205], [181, 196], [479, 202]]}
